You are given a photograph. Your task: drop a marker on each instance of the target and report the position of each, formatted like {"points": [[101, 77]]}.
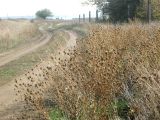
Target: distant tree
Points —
{"points": [[121, 10], [142, 9], [98, 3], [156, 9], [141, 12], [118, 10], [43, 13]]}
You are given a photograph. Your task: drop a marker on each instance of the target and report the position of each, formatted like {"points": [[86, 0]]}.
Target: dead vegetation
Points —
{"points": [[112, 74], [13, 33]]}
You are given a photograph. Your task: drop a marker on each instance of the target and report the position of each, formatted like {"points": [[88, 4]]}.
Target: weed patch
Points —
{"points": [[111, 74]]}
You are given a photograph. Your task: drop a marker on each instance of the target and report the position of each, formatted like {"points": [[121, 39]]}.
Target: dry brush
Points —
{"points": [[113, 73]]}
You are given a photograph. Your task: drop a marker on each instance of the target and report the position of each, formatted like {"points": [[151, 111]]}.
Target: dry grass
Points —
{"points": [[13, 33], [112, 74], [20, 66]]}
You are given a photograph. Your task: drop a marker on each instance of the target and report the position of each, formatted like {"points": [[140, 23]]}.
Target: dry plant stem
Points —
{"points": [[111, 74]]}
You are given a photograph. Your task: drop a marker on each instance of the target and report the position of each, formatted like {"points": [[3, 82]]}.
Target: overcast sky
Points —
{"points": [[60, 8]]}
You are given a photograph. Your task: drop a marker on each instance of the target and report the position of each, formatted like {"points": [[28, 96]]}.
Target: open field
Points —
{"points": [[16, 33]]}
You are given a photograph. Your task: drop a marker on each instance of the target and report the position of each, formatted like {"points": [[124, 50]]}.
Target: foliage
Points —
{"points": [[142, 9], [99, 3], [44, 13], [122, 10], [57, 114], [141, 12], [122, 108], [118, 9]]}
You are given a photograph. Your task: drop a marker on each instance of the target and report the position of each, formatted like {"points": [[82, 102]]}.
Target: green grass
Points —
{"points": [[13, 69], [57, 114], [7, 71]]}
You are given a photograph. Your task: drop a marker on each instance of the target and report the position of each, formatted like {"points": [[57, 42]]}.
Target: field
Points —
{"points": [[87, 72], [16, 33], [17, 67]]}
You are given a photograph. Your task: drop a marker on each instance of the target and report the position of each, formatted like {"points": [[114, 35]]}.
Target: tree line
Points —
{"points": [[123, 10]]}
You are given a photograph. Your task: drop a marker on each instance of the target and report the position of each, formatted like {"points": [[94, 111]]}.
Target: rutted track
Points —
{"points": [[23, 50], [8, 106]]}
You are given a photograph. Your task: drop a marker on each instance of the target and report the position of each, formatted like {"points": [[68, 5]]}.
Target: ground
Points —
{"points": [[8, 105]]}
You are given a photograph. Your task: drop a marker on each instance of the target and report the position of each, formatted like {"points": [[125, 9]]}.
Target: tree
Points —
{"points": [[141, 12], [142, 9], [118, 10], [98, 3], [155, 9], [122, 10], [43, 13]]}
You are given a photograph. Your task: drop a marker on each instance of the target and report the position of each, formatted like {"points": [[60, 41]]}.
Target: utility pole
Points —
{"points": [[96, 15], [129, 11], [7, 16], [83, 17], [129, 7], [103, 13], [79, 18], [89, 16], [149, 11]]}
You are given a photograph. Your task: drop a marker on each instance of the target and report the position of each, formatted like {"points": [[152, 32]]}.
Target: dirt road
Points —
{"points": [[8, 106], [23, 50]]}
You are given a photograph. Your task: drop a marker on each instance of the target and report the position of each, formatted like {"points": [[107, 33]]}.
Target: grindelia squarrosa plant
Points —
{"points": [[113, 73]]}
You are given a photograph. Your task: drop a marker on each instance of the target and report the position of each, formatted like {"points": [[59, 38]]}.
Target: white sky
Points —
{"points": [[61, 8]]}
